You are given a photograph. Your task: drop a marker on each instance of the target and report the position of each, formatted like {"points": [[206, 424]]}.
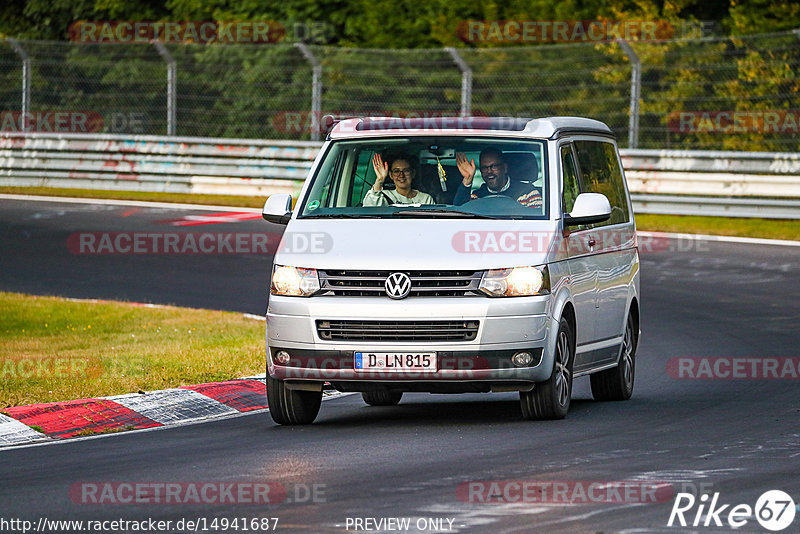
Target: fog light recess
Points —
{"points": [[522, 359], [282, 357]]}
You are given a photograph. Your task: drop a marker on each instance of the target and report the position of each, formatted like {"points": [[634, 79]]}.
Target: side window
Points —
{"points": [[601, 174], [569, 174]]}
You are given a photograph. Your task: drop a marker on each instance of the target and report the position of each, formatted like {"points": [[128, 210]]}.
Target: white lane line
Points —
{"points": [[13, 432], [722, 238], [139, 203], [262, 377], [170, 406]]}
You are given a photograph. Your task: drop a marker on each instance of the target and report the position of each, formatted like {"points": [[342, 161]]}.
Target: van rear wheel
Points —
{"points": [[550, 399], [616, 384], [382, 398], [292, 406]]}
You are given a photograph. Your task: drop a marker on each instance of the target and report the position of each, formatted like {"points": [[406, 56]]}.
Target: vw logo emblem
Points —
{"points": [[398, 285]]}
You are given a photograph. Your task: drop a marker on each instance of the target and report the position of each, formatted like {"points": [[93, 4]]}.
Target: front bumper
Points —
{"points": [[506, 326]]}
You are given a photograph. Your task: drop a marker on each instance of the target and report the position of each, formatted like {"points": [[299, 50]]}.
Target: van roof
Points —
{"points": [[547, 127]]}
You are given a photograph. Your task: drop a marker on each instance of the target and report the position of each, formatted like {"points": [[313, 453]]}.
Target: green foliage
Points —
{"points": [[250, 90]]}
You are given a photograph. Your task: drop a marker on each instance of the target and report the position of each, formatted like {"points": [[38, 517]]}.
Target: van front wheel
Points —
{"points": [[550, 399], [292, 406]]}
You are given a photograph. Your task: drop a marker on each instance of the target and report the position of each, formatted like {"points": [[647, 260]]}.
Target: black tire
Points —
{"points": [[616, 384], [382, 398], [550, 399], [292, 406]]}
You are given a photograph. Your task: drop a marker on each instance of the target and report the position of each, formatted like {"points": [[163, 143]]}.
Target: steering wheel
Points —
{"points": [[495, 196]]}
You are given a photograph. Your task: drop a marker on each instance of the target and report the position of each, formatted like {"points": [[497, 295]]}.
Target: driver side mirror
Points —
{"points": [[278, 208], [589, 208]]}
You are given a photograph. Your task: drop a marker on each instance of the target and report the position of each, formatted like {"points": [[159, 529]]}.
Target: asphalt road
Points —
{"points": [[738, 438]]}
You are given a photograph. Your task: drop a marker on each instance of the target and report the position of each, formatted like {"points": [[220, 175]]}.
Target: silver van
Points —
{"points": [[455, 255]]}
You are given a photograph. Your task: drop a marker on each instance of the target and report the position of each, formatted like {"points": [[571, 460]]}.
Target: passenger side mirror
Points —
{"points": [[589, 208], [278, 208]]}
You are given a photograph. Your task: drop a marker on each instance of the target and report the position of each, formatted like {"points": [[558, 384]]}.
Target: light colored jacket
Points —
{"points": [[377, 198]]}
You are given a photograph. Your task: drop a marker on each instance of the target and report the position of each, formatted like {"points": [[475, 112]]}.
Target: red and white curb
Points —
{"points": [[52, 421], [58, 420]]}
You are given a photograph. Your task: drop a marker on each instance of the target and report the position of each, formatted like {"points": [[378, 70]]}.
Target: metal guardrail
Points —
{"points": [[154, 163], [735, 184], [717, 183]]}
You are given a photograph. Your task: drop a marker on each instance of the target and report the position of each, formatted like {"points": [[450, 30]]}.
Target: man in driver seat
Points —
{"points": [[494, 171]]}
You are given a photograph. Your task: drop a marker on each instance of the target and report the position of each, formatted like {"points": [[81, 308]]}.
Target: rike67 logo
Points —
{"points": [[774, 510]]}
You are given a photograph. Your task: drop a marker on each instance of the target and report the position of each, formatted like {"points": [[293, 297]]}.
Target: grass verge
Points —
{"points": [[52, 349], [730, 226]]}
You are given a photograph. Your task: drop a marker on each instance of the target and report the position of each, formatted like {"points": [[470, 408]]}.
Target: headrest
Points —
{"points": [[522, 166]]}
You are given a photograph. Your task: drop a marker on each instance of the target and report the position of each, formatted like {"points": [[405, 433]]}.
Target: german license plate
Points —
{"points": [[395, 361]]}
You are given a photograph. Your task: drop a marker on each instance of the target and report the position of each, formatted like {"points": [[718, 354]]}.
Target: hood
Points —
{"points": [[416, 244]]}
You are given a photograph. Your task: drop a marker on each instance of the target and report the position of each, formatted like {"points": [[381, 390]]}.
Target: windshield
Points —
{"points": [[427, 177]]}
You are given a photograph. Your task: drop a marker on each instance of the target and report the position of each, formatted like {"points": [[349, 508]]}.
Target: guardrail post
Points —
{"points": [[636, 83], [172, 80], [466, 81], [26, 76], [316, 89]]}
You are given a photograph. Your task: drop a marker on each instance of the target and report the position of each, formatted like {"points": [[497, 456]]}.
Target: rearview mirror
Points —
{"points": [[278, 208], [589, 208]]}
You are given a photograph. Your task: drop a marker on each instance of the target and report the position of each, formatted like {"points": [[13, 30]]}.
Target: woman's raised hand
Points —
{"points": [[381, 171]]}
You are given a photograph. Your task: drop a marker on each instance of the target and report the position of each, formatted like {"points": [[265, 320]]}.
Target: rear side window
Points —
{"points": [[601, 173]]}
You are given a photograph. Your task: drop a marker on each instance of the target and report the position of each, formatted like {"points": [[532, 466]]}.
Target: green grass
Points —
{"points": [[52, 349], [741, 227]]}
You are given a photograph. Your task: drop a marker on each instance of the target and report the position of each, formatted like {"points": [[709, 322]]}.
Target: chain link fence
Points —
{"points": [[735, 93]]}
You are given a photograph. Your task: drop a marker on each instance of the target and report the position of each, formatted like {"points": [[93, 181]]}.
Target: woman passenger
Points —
{"points": [[401, 169]]}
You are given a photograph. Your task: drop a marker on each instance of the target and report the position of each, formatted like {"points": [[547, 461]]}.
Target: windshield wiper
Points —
{"points": [[446, 212]]}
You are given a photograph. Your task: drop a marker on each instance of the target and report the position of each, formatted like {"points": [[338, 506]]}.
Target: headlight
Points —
{"points": [[294, 281], [515, 282]]}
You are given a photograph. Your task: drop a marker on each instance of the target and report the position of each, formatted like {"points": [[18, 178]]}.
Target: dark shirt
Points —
{"points": [[525, 194]]}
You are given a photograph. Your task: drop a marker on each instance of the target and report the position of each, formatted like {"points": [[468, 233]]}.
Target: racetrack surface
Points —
{"points": [[700, 299]]}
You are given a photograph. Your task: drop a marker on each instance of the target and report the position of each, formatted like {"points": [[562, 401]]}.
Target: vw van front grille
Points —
{"points": [[397, 330], [353, 283]]}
